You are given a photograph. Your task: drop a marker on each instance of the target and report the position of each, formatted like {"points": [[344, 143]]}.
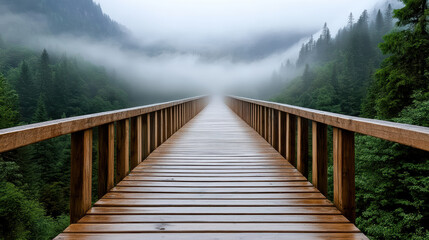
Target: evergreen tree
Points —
{"points": [[25, 90], [9, 114], [406, 68]]}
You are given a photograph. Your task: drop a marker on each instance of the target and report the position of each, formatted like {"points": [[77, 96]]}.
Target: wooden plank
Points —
{"points": [[302, 146], [213, 218], [122, 149], [106, 158], [218, 196], [210, 203], [344, 172], [215, 190], [136, 153], [215, 179], [214, 184], [80, 174], [320, 157], [213, 227], [213, 236], [215, 210]]}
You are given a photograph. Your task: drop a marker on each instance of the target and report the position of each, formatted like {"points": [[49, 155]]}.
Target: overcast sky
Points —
{"points": [[204, 23]]}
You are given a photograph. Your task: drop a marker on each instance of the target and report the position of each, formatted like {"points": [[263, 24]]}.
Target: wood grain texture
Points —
{"points": [[410, 135], [122, 149], [320, 157], [344, 172], [302, 146], [11, 138], [136, 144], [291, 138], [80, 174], [215, 178], [106, 158]]}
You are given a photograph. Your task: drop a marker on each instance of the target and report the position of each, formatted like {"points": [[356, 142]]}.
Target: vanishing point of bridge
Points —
{"points": [[184, 170]]}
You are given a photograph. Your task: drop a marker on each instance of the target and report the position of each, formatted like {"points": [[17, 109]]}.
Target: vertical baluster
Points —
{"points": [[282, 134], [146, 135], [136, 141], [122, 149], [106, 158], [161, 126], [320, 157], [302, 146], [290, 138], [152, 131], [344, 172], [275, 129], [81, 174], [269, 126]]}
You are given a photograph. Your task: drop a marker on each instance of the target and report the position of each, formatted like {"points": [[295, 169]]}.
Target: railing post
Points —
{"points": [[80, 174], [275, 129], [146, 135], [302, 146], [282, 133], [269, 121], [344, 172], [320, 157], [136, 141], [152, 131], [290, 138], [122, 149], [106, 158]]}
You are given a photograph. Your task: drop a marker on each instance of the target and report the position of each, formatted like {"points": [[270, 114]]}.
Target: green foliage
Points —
{"points": [[34, 180], [406, 68], [24, 218], [9, 114], [392, 183]]}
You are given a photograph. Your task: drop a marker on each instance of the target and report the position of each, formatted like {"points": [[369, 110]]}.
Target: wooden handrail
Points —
{"points": [[15, 137], [285, 127], [139, 131]]}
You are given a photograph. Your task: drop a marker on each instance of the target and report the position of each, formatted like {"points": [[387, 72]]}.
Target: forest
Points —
{"points": [[377, 66]]}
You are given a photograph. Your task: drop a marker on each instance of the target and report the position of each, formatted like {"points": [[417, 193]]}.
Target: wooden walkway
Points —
{"points": [[215, 178]]}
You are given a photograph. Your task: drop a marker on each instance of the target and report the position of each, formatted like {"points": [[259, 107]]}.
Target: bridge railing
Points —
{"points": [[139, 131], [285, 127]]}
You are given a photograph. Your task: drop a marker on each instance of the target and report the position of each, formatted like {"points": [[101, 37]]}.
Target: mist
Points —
{"points": [[213, 47]]}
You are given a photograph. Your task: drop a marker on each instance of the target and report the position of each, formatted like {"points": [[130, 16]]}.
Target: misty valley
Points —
{"points": [[151, 119]]}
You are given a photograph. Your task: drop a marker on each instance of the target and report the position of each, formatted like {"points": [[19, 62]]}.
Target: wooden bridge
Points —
{"points": [[204, 173]]}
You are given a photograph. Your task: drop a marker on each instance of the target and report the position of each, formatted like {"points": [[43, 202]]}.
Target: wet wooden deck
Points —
{"points": [[215, 178]]}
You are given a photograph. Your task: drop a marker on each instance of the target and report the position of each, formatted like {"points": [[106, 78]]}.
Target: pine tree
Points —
{"points": [[25, 90], [406, 68], [8, 105]]}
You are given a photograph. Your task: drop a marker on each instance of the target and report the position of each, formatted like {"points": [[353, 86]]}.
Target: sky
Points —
{"points": [[205, 24]]}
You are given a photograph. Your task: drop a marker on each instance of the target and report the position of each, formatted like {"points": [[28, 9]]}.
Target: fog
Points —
{"points": [[211, 45]]}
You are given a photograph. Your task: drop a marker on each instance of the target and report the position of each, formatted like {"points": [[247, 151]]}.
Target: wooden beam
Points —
{"points": [[106, 158], [122, 149], [344, 172], [80, 174], [302, 146], [320, 157]]}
